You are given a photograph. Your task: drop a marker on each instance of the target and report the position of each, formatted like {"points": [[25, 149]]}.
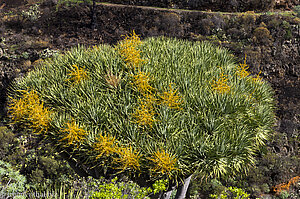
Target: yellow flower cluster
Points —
{"points": [[77, 75], [142, 82], [105, 145], [257, 78], [145, 115], [129, 52], [30, 107], [171, 98], [163, 162], [221, 85], [128, 158], [74, 135], [242, 69]]}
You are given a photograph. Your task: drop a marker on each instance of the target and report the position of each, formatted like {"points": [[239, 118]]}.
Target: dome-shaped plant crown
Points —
{"points": [[161, 108]]}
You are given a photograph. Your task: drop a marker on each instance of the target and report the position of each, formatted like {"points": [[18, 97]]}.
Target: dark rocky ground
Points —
{"points": [[271, 42]]}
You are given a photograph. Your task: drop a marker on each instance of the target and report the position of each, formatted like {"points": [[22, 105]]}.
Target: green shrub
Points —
{"points": [[32, 14], [38, 162], [120, 190], [232, 193], [12, 183], [6, 139], [297, 10], [158, 109]]}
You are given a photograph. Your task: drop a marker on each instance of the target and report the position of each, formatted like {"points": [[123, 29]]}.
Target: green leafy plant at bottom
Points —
{"points": [[122, 190], [12, 183], [232, 193], [297, 10]]}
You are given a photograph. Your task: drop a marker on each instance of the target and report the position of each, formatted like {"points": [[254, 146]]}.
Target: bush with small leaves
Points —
{"points": [[32, 14], [297, 10], [121, 190], [231, 193], [12, 183]]}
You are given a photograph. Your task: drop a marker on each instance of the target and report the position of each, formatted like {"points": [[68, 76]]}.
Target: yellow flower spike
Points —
{"points": [[242, 69], [129, 52], [18, 109], [144, 115], [171, 98], [77, 75], [142, 83], [221, 85], [149, 100], [163, 162], [128, 158], [74, 135], [105, 145], [30, 108], [257, 78]]}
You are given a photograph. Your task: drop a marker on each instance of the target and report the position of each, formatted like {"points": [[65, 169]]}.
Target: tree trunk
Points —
{"points": [[182, 189], [167, 195], [93, 15]]}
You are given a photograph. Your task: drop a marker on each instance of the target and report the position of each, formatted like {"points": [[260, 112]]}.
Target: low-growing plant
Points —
{"points": [[47, 53], [179, 107], [232, 193], [12, 183], [32, 14], [121, 190], [297, 10]]}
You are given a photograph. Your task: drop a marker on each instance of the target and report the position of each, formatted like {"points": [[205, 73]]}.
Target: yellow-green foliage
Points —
{"points": [[232, 193], [155, 109]]}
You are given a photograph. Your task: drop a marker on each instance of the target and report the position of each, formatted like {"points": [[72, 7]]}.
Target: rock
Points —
{"points": [[13, 3], [50, 2]]}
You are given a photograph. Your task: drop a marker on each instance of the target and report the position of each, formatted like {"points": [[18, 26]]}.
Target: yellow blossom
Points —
{"points": [[142, 83], [128, 158], [163, 162], [129, 52], [149, 100], [221, 85], [30, 108], [77, 75], [257, 78], [242, 69], [144, 114], [75, 134], [105, 145], [171, 98]]}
